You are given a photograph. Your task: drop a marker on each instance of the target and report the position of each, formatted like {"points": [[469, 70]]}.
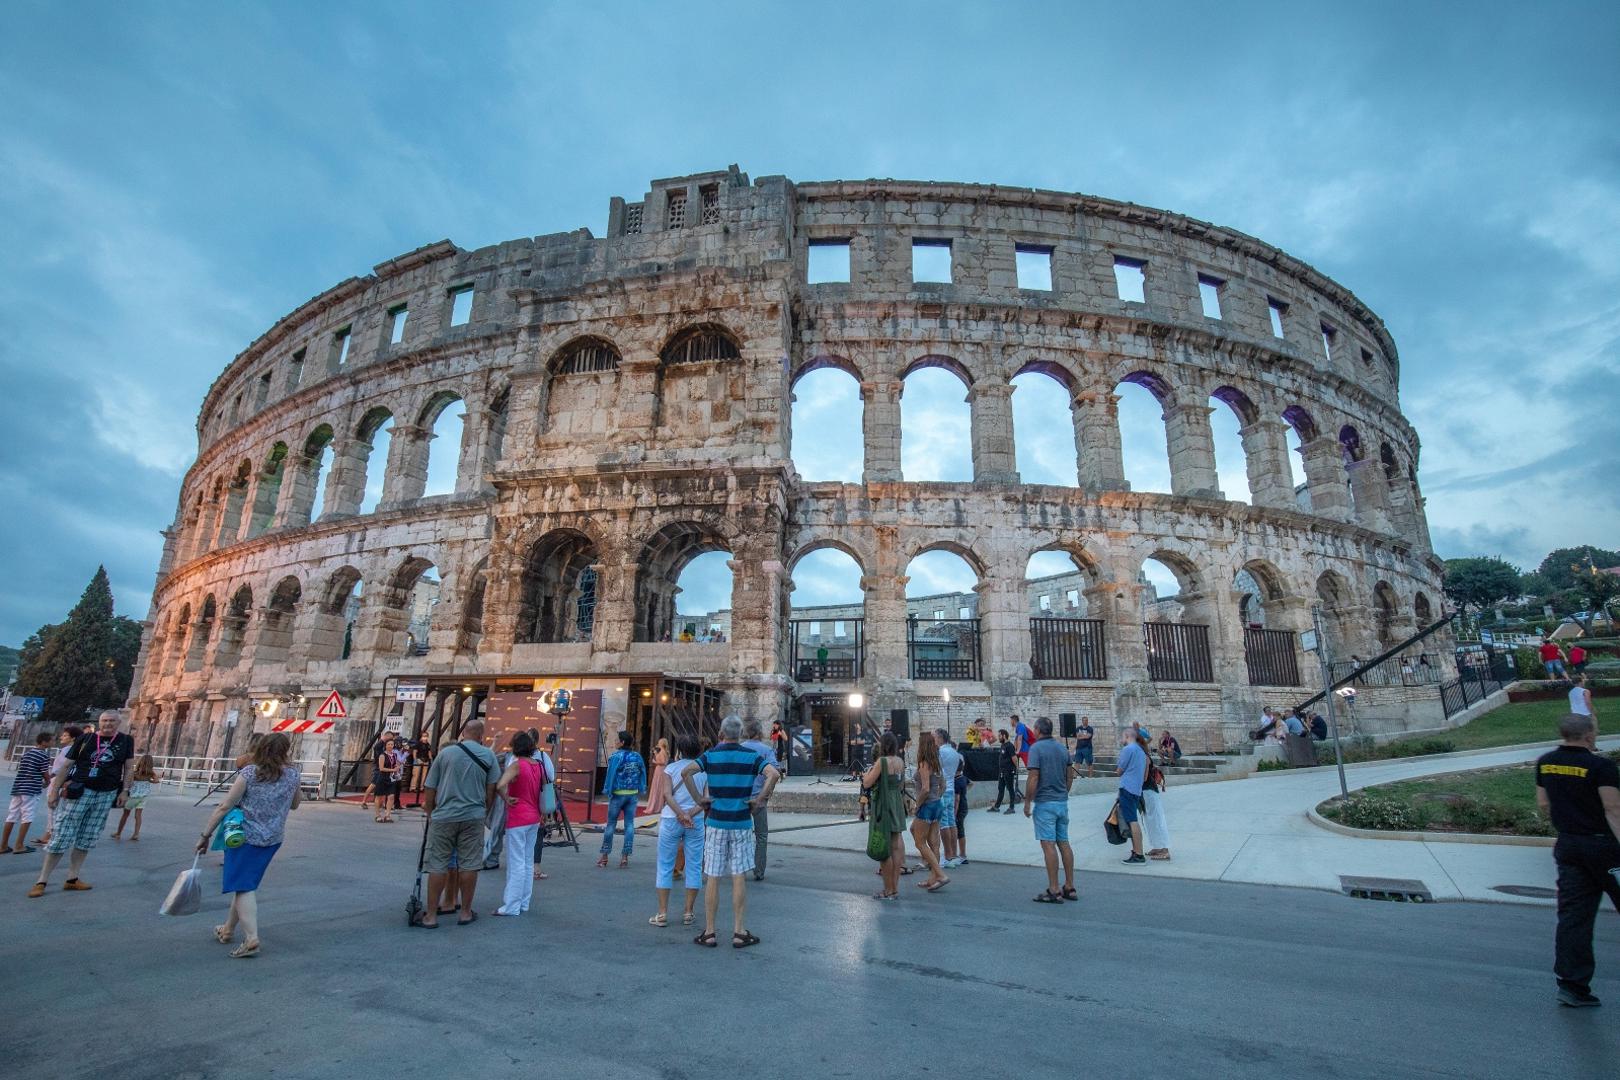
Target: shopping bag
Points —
{"points": [[185, 895], [1111, 828], [877, 841]]}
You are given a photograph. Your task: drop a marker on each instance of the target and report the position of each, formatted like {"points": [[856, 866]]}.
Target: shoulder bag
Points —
{"points": [[877, 836]]}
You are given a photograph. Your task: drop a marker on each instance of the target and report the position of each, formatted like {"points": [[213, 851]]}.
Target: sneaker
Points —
{"points": [[1134, 859], [74, 885], [951, 864], [1007, 811], [1575, 999]]}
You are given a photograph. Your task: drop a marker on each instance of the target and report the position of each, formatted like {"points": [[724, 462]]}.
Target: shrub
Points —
{"points": [[1481, 816], [1528, 661], [1374, 812], [1271, 765]]}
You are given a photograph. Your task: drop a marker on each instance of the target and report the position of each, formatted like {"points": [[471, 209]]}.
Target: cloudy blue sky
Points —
{"points": [[175, 177]]}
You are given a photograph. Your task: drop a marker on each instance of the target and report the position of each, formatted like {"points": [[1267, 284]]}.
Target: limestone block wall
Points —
{"points": [[627, 407]]}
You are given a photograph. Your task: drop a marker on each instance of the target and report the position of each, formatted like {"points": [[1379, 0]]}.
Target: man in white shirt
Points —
{"points": [[950, 763]]}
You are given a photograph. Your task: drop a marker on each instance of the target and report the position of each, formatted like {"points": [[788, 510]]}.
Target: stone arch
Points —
{"points": [[558, 588], [1386, 612], [1350, 444], [942, 450], [441, 468], [1268, 586], [470, 628], [943, 362], [309, 498], [180, 631], [701, 343], [664, 555], [1338, 614], [337, 611], [276, 621], [339, 588], [404, 607], [1054, 367], [373, 434], [495, 419], [587, 354], [202, 633], [267, 490], [1239, 402], [236, 496], [1304, 425], [233, 627], [1049, 597], [827, 543], [823, 361], [1422, 610], [960, 547], [827, 415], [1045, 441], [1144, 429]]}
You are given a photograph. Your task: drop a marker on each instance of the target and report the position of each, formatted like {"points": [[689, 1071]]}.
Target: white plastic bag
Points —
{"points": [[185, 896]]}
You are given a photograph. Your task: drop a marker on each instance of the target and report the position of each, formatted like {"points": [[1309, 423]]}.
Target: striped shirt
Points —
{"points": [[731, 769], [31, 772]]}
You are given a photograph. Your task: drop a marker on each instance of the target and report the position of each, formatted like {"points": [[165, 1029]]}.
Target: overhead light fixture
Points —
{"points": [[857, 700]]}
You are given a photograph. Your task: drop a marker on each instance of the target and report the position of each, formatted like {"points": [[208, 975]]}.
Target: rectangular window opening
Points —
{"points": [[1277, 309], [1209, 294], [838, 629], [939, 614], [264, 390], [931, 261], [964, 613], [295, 370], [1046, 602], [341, 341], [1130, 278], [632, 220], [1329, 334], [1073, 596], [1034, 267], [829, 262], [1367, 357], [461, 305], [709, 203], [676, 216], [396, 330], [815, 629]]}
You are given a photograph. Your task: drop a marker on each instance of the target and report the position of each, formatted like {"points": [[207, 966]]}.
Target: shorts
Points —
{"points": [[464, 838], [1083, 753], [22, 809], [947, 812], [932, 810], [1129, 807], [134, 802], [79, 821], [1554, 667], [1051, 822], [727, 852]]}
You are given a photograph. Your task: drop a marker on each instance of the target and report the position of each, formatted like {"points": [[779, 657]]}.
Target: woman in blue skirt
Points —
{"points": [[266, 789]]}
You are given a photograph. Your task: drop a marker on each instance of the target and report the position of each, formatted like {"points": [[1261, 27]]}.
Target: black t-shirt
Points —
{"points": [[1571, 776], [91, 752], [1009, 754]]}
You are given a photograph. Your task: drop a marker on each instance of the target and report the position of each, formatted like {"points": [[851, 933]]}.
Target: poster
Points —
{"points": [[578, 735]]}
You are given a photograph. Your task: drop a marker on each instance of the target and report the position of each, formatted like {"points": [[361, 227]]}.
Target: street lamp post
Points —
{"points": [[946, 694]]}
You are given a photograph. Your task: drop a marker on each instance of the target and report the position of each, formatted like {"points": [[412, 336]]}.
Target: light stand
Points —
{"points": [[946, 694], [1327, 685]]}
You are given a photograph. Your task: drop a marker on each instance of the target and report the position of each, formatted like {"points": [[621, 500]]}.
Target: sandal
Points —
{"points": [[1069, 894], [705, 940], [624, 862], [602, 862], [743, 940], [245, 951], [1047, 896], [938, 885], [659, 920], [223, 936], [472, 917], [886, 896], [688, 919]]}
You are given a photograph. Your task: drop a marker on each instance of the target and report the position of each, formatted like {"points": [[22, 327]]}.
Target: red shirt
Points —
{"points": [[1577, 654], [1549, 651]]}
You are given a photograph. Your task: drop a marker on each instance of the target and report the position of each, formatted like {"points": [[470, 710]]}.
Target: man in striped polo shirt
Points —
{"points": [[728, 835]]}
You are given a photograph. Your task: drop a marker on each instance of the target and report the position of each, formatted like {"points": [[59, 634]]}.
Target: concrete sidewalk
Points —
{"points": [[1256, 831]]}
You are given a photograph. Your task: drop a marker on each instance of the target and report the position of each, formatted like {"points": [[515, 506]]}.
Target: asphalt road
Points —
{"points": [[1143, 977]]}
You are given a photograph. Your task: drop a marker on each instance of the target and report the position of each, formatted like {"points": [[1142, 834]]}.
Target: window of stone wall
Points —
{"points": [[1277, 309], [829, 262], [588, 355], [1034, 267], [931, 261], [709, 200], [295, 370], [263, 397], [632, 220], [461, 301], [675, 217], [396, 326], [1130, 279], [1330, 336], [700, 344], [340, 345], [1209, 294]]}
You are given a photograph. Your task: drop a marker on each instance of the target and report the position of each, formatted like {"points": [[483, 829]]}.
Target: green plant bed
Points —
{"points": [[1499, 801], [1509, 725]]}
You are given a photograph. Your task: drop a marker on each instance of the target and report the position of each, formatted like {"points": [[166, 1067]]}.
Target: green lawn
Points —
{"points": [[1500, 800], [1525, 722]]}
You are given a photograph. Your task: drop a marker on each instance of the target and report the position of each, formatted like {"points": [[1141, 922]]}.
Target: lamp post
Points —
{"points": [[857, 705], [946, 694]]}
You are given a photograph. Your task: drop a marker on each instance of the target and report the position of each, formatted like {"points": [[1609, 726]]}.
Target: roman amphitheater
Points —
{"points": [[615, 407]]}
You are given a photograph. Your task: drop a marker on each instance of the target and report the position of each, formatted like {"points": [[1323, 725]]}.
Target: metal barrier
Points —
{"points": [[1178, 652], [1067, 649], [1271, 658], [206, 772], [1419, 670]]}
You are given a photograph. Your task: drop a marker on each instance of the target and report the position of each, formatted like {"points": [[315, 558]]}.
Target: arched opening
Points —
{"points": [[201, 634], [828, 442], [267, 491], [408, 602], [580, 392], [1175, 620], [1065, 641], [233, 628], [236, 494], [936, 423], [1386, 611], [376, 441], [446, 415], [179, 634], [557, 594], [471, 631], [699, 344], [1422, 611], [276, 625], [1143, 441], [689, 561], [495, 430], [942, 616], [1350, 451], [1231, 454], [827, 617], [697, 388], [318, 455], [1338, 627], [1270, 650], [333, 638], [1301, 430], [1043, 426]]}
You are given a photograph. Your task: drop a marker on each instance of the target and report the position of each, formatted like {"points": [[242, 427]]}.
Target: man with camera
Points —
{"points": [[91, 785]]}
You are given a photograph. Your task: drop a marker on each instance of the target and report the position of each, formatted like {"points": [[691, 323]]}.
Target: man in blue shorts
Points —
{"points": [[1132, 771], [1046, 799], [1084, 750]]}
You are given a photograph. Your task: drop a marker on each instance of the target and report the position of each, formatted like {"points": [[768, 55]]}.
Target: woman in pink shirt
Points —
{"points": [[520, 786]]}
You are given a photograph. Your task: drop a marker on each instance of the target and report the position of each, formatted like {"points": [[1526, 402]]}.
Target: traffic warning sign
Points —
{"points": [[332, 708]]}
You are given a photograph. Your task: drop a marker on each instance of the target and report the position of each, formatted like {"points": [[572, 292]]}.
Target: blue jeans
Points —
{"points": [[671, 838], [620, 804]]}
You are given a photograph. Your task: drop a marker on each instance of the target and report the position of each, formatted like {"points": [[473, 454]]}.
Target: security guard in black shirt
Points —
{"points": [[1580, 790]]}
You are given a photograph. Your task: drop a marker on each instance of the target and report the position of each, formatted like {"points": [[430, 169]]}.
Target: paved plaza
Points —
{"points": [[1145, 976]]}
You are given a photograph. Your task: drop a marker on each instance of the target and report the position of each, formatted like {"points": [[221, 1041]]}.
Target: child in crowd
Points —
{"points": [[33, 772], [140, 786]]}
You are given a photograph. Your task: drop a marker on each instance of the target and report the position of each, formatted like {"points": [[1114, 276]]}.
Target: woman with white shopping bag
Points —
{"points": [[265, 790]]}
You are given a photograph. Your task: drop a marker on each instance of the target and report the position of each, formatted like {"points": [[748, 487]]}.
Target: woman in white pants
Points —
{"points": [[1155, 829], [519, 788]]}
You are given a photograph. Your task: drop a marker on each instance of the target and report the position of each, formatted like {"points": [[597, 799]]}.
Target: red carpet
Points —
{"points": [[577, 811]]}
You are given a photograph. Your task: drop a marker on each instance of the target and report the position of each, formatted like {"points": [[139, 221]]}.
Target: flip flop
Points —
{"points": [[418, 924], [472, 917], [743, 940], [938, 885]]}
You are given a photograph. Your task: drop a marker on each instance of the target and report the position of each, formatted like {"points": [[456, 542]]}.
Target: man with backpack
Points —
{"points": [[624, 782]]}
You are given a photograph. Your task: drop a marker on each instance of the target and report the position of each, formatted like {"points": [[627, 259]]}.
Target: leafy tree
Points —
{"points": [[72, 666], [126, 650], [1479, 583], [1569, 568]]}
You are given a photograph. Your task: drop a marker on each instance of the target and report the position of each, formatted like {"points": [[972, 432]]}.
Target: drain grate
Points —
{"points": [[1401, 890], [1534, 892]]}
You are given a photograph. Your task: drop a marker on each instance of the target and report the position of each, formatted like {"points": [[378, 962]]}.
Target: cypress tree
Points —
{"points": [[73, 668]]}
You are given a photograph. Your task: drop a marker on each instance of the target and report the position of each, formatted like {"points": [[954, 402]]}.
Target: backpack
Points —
{"points": [[631, 776]]}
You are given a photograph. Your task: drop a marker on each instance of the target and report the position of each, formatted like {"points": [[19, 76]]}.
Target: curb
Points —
{"points": [[1429, 837]]}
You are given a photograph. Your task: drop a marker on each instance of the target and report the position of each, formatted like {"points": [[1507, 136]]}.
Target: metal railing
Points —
{"points": [[943, 648], [1422, 669], [845, 654], [1271, 657], [207, 772], [1067, 649], [1178, 652]]}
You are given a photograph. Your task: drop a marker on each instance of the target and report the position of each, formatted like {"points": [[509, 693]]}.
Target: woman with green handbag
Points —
{"points": [[886, 840]]}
